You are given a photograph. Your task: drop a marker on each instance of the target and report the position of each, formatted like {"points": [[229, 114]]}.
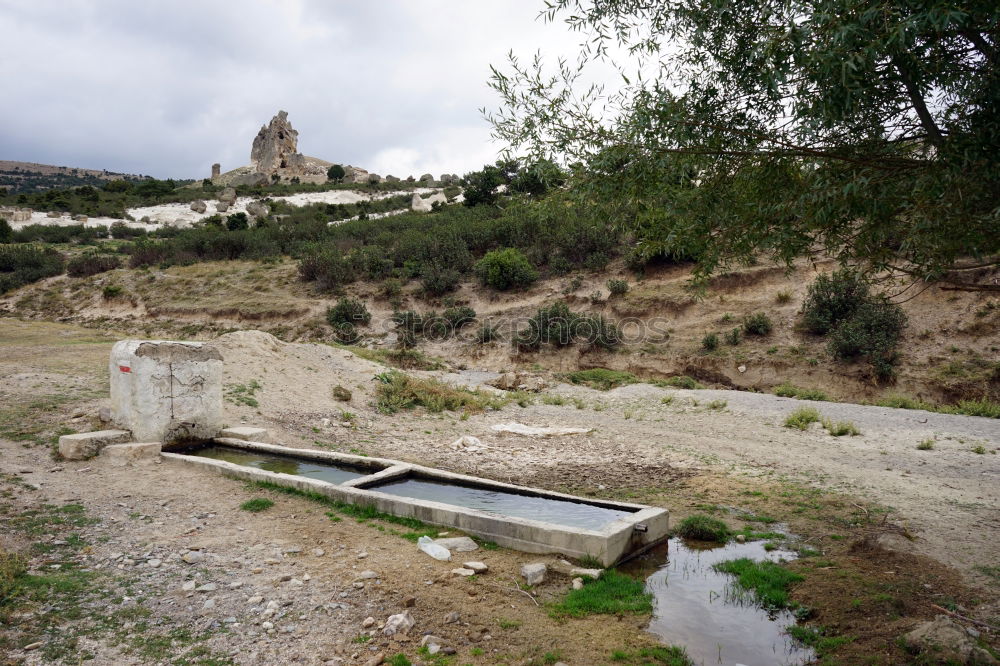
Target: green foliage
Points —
{"points": [[242, 394], [459, 315], [833, 299], [487, 333], [112, 291], [703, 528], [733, 337], [926, 444], [613, 593], [257, 504], [669, 655], [12, 568], [841, 428], [237, 222], [336, 173], [757, 323], [683, 382], [24, 264], [871, 333], [888, 161], [559, 326], [789, 391], [397, 391], [802, 418], [710, 342], [481, 186], [91, 263], [505, 269], [602, 378], [766, 581], [6, 231], [348, 311], [981, 407], [617, 287], [818, 638]]}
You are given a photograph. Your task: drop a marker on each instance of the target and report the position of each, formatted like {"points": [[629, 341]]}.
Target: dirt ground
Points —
{"points": [[898, 528]]}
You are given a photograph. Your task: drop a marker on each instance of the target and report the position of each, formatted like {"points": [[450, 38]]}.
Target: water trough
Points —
{"points": [[526, 519]]}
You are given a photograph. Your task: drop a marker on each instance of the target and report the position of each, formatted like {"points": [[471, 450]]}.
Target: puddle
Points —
{"points": [[693, 606], [283, 464], [561, 512]]}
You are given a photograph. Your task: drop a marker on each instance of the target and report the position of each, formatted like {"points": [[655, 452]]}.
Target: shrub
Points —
{"points": [[871, 333], [6, 232], [683, 382], [617, 287], [120, 230], [703, 528], [112, 291], [91, 263], [926, 445], [437, 281], [841, 428], [336, 173], [833, 299], [710, 342], [348, 311], [459, 316], [802, 418], [783, 297], [559, 326], [733, 337], [602, 378], [340, 393], [24, 264], [397, 391], [487, 333], [505, 269], [237, 221], [757, 324]]}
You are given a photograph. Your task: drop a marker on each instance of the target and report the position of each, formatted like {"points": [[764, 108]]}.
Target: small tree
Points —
{"points": [[237, 221], [336, 173], [505, 269], [481, 186]]}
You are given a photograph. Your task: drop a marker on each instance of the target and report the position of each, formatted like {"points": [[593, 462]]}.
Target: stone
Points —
{"points": [[427, 178], [120, 455], [80, 218], [568, 569], [189, 586], [207, 587], [83, 445], [53, 214], [228, 195], [421, 205], [221, 207], [258, 210], [318, 552], [458, 544], [463, 572], [401, 623], [154, 563], [534, 574], [267, 626], [946, 641], [409, 602], [741, 538], [249, 434], [199, 206], [376, 660], [193, 557], [367, 575], [256, 599], [577, 583], [104, 414], [166, 391], [273, 145], [452, 618], [478, 567], [355, 175], [368, 622]]}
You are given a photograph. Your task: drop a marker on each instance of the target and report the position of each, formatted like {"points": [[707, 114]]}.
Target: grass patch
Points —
{"points": [[802, 418], [983, 407], [818, 639], [703, 528], [257, 504], [613, 593], [397, 391], [926, 445], [991, 572], [243, 394], [405, 359], [601, 378], [789, 391], [680, 382], [767, 582], [670, 655], [841, 428]]}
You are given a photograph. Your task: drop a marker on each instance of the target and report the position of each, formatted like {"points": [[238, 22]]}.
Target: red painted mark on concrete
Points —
{"points": [[124, 368]]}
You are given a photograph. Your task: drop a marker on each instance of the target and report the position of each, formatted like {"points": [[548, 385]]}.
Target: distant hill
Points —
{"points": [[31, 177]]}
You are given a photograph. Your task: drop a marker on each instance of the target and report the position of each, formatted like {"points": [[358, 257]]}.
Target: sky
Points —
{"points": [[168, 88]]}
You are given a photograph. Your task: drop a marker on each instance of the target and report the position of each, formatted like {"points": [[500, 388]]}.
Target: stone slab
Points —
{"points": [[84, 445], [121, 455], [247, 433]]}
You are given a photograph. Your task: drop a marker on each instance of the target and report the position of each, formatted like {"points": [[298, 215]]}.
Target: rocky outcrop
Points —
{"points": [[258, 210], [274, 144], [199, 206], [228, 196], [421, 205], [15, 214], [355, 175]]}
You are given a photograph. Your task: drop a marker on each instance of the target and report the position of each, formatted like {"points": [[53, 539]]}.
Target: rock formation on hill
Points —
{"points": [[274, 157]]}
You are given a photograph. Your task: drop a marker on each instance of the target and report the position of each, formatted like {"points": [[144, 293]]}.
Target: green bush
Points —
{"points": [[757, 323], [802, 418], [348, 311], [617, 287], [459, 316], [683, 382], [336, 173], [833, 299], [872, 333], [710, 342], [733, 337], [112, 291], [24, 264], [487, 333], [602, 378], [237, 222], [438, 281], [91, 263], [6, 232], [505, 269], [703, 528], [559, 326]]}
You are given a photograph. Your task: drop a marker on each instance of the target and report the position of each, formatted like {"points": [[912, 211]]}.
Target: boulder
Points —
{"points": [[944, 641], [421, 205], [121, 455], [400, 623], [391, 179], [80, 218], [258, 209], [273, 145], [221, 207], [534, 574], [199, 206], [356, 175], [228, 196], [427, 178], [85, 445], [458, 544], [53, 214]]}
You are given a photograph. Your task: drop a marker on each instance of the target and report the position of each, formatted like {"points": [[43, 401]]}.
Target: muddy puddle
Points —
{"points": [[282, 464], [560, 512], [697, 607]]}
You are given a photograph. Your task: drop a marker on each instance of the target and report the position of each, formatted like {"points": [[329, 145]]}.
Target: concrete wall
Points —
{"points": [[166, 391]]}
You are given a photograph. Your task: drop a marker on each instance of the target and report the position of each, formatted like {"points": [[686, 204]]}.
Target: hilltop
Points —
{"points": [[19, 177]]}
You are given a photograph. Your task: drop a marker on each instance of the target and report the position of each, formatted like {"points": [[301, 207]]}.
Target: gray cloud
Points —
{"points": [[168, 88]]}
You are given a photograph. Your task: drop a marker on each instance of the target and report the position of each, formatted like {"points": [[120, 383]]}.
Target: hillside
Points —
{"points": [[18, 177]]}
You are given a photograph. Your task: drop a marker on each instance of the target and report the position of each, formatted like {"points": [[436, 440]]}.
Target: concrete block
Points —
{"points": [[120, 455], [85, 445], [166, 391], [534, 574], [247, 433]]}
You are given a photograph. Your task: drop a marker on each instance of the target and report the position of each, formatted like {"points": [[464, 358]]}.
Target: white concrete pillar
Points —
{"points": [[166, 391]]}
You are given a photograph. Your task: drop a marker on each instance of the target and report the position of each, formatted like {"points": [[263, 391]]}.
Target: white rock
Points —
{"points": [[207, 587], [266, 626], [534, 574], [193, 557], [400, 623], [577, 583], [367, 575], [369, 622], [458, 544], [463, 572], [154, 563], [189, 586], [478, 567]]}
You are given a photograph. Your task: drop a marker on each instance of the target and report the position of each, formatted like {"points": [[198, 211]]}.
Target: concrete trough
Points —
{"points": [[634, 528]]}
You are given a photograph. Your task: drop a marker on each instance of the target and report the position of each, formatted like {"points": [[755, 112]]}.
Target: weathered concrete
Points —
{"points": [[247, 434], [121, 455], [619, 539], [85, 445], [166, 391]]}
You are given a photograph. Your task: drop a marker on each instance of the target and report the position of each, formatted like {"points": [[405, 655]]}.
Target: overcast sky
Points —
{"points": [[167, 88]]}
